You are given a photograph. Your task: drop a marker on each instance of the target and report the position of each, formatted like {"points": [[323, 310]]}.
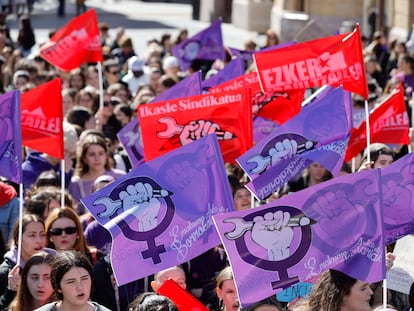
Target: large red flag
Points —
{"points": [[276, 106], [75, 43], [333, 60], [41, 109], [388, 124], [170, 124]]}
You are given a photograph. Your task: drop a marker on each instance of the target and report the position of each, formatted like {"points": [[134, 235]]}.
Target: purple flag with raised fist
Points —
{"points": [[130, 135], [234, 69], [398, 198], [319, 133], [207, 45], [11, 137], [159, 214], [336, 224]]}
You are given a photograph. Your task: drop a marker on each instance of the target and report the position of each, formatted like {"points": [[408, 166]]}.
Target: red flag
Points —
{"points": [[168, 125], [333, 60], [389, 124], [181, 298], [75, 43], [276, 106], [41, 111]]}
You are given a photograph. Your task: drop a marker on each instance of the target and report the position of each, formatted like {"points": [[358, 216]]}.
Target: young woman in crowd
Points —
{"points": [[226, 291], [336, 291], [92, 161], [35, 289], [33, 240], [64, 232], [72, 281]]}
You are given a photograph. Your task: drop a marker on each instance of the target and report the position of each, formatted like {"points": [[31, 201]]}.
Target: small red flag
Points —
{"points": [[335, 60], [389, 124], [167, 125], [41, 111], [75, 43], [181, 298]]}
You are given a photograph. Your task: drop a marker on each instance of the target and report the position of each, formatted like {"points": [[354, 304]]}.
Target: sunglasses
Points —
{"points": [[114, 72], [59, 231], [112, 102]]}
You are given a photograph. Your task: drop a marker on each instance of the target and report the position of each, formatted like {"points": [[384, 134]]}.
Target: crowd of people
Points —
{"points": [[64, 262]]}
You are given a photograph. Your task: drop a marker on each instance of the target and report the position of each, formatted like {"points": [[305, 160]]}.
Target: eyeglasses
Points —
{"points": [[114, 72], [59, 231], [112, 102]]}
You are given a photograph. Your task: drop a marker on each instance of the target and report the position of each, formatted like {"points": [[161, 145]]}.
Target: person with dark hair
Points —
{"points": [[35, 289], [152, 302], [81, 116], [72, 282], [336, 291], [26, 37], [380, 156], [267, 304]]}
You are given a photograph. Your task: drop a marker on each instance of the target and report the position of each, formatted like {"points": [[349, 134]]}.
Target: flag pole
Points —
{"points": [[19, 243], [62, 183], [100, 76], [314, 95], [367, 128], [384, 293]]}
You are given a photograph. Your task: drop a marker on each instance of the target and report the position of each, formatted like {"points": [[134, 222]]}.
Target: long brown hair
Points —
{"points": [[67, 212], [24, 300], [89, 140], [26, 219]]}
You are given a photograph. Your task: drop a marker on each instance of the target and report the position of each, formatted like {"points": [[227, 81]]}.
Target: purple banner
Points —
{"points": [[398, 198], [11, 137], [207, 45], [337, 224], [130, 134], [262, 127], [319, 133], [247, 56], [234, 69], [159, 214]]}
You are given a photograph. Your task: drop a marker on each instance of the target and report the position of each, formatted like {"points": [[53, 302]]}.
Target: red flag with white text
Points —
{"points": [[75, 43], [170, 124], [276, 106], [335, 60], [41, 113], [389, 124]]}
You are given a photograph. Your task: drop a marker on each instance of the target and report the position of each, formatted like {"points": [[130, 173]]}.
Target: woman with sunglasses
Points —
{"points": [[64, 232], [72, 281], [35, 289], [33, 241]]}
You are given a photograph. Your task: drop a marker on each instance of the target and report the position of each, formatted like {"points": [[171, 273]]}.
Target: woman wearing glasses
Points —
{"points": [[64, 232]]}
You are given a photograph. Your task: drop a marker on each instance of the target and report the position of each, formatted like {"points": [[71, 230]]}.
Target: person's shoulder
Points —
{"points": [[116, 173], [47, 307], [99, 307]]}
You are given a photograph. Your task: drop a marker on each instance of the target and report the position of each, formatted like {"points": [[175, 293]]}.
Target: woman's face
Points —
{"points": [[75, 287], [242, 199], [68, 103], [38, 283], [317, 172], [228, 294], [33, 239], [359, 297], [63, 239], [95, 157]]}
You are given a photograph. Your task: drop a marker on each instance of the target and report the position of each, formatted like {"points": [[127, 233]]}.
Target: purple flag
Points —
{"points": [[207, 45], [246, 55], [262, 127], [159, 214], [319, 133], [336, 224], [398, 198], [234, 69], [11, 137], [130, 134]]}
